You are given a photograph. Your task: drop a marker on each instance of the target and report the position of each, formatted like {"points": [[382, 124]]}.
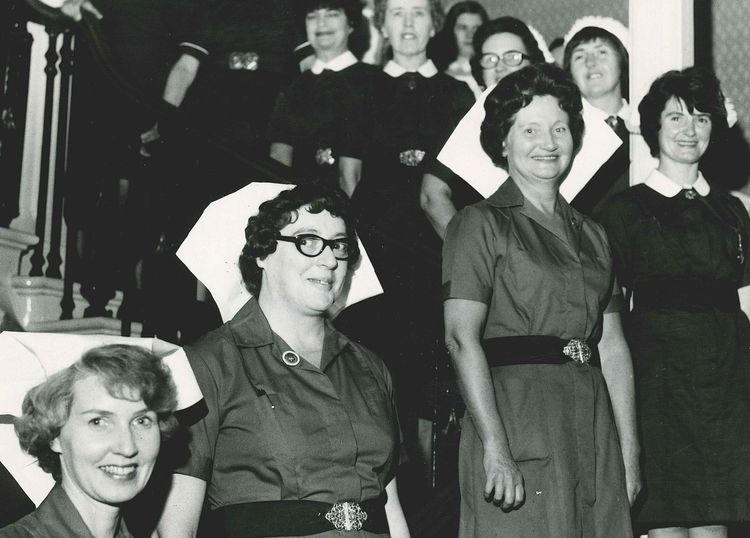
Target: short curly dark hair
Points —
{"points": [[274, 214], [699, 89], [515, 92], [592, 33], [351, 8], [504, 25], [122, 369], [436, 12]]}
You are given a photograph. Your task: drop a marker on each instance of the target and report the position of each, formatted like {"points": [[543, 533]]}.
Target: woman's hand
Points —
{"points": [[75, 8], [464, 320], [504, 485], [617, 369], [633, 483]]}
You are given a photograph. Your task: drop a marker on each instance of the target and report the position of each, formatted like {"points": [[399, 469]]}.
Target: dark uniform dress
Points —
{"points": [[322, 117], [289, 432], [558, 417], [56, 517], [247, 54], [684, 257], [412, 115]]}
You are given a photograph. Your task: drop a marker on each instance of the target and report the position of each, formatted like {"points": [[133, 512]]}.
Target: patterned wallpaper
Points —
{"points": [[731, 54]]}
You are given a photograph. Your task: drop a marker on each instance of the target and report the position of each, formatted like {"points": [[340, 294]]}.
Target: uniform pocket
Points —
{"points": [[537, 483], [520, 403]]}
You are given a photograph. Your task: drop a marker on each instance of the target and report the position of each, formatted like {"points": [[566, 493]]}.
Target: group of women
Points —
{"points": [[603, 360]]}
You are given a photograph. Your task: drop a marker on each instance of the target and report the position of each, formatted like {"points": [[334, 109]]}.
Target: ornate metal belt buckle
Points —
{"points": [[578, 351], [247, 61], [324, 156], [411, 157], [346, 516]]}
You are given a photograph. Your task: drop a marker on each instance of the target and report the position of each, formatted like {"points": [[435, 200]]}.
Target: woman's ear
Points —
{"points": [[55, 445]]}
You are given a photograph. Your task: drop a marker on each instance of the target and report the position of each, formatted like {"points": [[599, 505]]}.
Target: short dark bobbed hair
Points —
{"points": [[351, 8], [442, 48], [436, 13], [263, 228], [127, 372], [515, 92], [592, 33], [699, 89], [504, 25]]}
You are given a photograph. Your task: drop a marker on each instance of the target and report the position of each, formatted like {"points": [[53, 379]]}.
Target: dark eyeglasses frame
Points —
{"points": [[298, 239], [506, 57]]}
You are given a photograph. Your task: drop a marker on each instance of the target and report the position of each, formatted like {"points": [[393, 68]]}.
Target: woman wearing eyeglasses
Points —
{"points": [[502, 46], [300, 437]]}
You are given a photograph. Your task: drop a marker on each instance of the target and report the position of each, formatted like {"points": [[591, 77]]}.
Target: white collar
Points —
{"points": [[666, 187], [339, 63], [623, 113], [427, 69]]}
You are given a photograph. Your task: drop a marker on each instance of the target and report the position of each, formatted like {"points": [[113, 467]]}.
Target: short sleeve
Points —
{"points": [[186, 22], [280, 125], [203, 434], [616, 301], [469, 256], [616, 229]]}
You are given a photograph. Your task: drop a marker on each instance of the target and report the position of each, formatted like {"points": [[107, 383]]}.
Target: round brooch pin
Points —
{"points": [[290, 358]]}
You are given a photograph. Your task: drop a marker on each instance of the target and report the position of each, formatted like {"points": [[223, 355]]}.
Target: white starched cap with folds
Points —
{"points": [[613, 26], [212, 248], [542, 44], [463, 152], [27, 359]]}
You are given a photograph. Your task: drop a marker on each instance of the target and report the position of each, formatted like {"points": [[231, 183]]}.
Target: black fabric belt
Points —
{"points": [[249, 61], [513, 350], [293, 518], [686, 294]]}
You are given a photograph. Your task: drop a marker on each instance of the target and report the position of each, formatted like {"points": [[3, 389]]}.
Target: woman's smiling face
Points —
{"points": [[539, 145], [307, 285], [595, 68], [108, 446], [328, 31], [683, 136]]}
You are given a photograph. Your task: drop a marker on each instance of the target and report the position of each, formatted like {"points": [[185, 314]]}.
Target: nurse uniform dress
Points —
{"points": [[413, 113], [280, 429], [683, 255], [322, 116], [55, 517], [558, 417]]}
